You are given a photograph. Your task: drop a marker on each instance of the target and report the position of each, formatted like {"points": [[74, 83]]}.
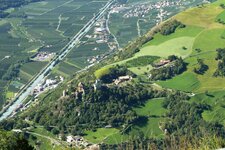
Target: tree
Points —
{"points": [[12, 141], [201, 67], [55, 131]]}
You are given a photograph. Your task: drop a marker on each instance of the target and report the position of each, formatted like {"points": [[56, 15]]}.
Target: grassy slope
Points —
{"points": [[154, 111], [44, 138], [208, 40], [217, 101], [202, 32], [152, 107], [100, 135]]}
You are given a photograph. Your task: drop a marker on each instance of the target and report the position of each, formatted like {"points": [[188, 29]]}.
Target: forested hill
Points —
{"points": [[6, 4], [165, 90]]}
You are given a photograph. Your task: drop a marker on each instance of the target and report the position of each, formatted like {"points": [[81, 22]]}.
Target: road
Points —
{"points": [[28, 88]]}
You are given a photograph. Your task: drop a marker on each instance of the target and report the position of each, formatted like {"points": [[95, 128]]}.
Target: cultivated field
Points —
{"points": [[127, 29], [44, 26]]}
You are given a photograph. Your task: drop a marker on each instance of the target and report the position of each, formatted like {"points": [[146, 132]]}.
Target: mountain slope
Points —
{"points": [[160, 92]]}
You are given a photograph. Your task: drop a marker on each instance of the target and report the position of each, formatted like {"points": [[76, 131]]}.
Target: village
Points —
{"points": [[46, 85], [142, 10], [100, 35]]}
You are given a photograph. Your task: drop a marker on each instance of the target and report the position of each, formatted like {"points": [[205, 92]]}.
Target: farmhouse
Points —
{"points": [[71, 139], [122, 79], [43, 56], [77, 140], [162, 62]]}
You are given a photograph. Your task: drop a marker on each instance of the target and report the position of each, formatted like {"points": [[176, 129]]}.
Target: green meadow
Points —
{"points": [[217, 101], [208, 39], [154, 112]]}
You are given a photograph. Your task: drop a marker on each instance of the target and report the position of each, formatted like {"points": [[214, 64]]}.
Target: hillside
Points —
{"points": [[165, 90]]}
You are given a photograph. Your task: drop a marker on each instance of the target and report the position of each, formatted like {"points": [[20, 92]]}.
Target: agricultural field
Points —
{"points": [[153, 107], [32, 68], [42, 26], [126, 29]]}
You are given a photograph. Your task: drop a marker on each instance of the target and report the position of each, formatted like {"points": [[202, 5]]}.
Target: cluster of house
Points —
{"points": [[43, 56], [47, 85], [142, 9], [77, 141], [100, 31], [93, 59], [137, 11], [117, 8], [80, 142], [101, 35]]}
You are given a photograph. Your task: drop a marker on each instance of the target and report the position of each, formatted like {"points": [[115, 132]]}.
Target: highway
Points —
{"points": [[28, 88]]}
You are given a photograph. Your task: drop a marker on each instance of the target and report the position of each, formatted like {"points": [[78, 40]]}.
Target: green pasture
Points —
{"points": [[170, 47], [188, 31], [215, 115], [202, 16], [150, 129], [140, 70], [102, 71], [152, 107], [217, 101], [100, 134], [221, 17], [209, 40], [185, 82], [45, 139]]}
